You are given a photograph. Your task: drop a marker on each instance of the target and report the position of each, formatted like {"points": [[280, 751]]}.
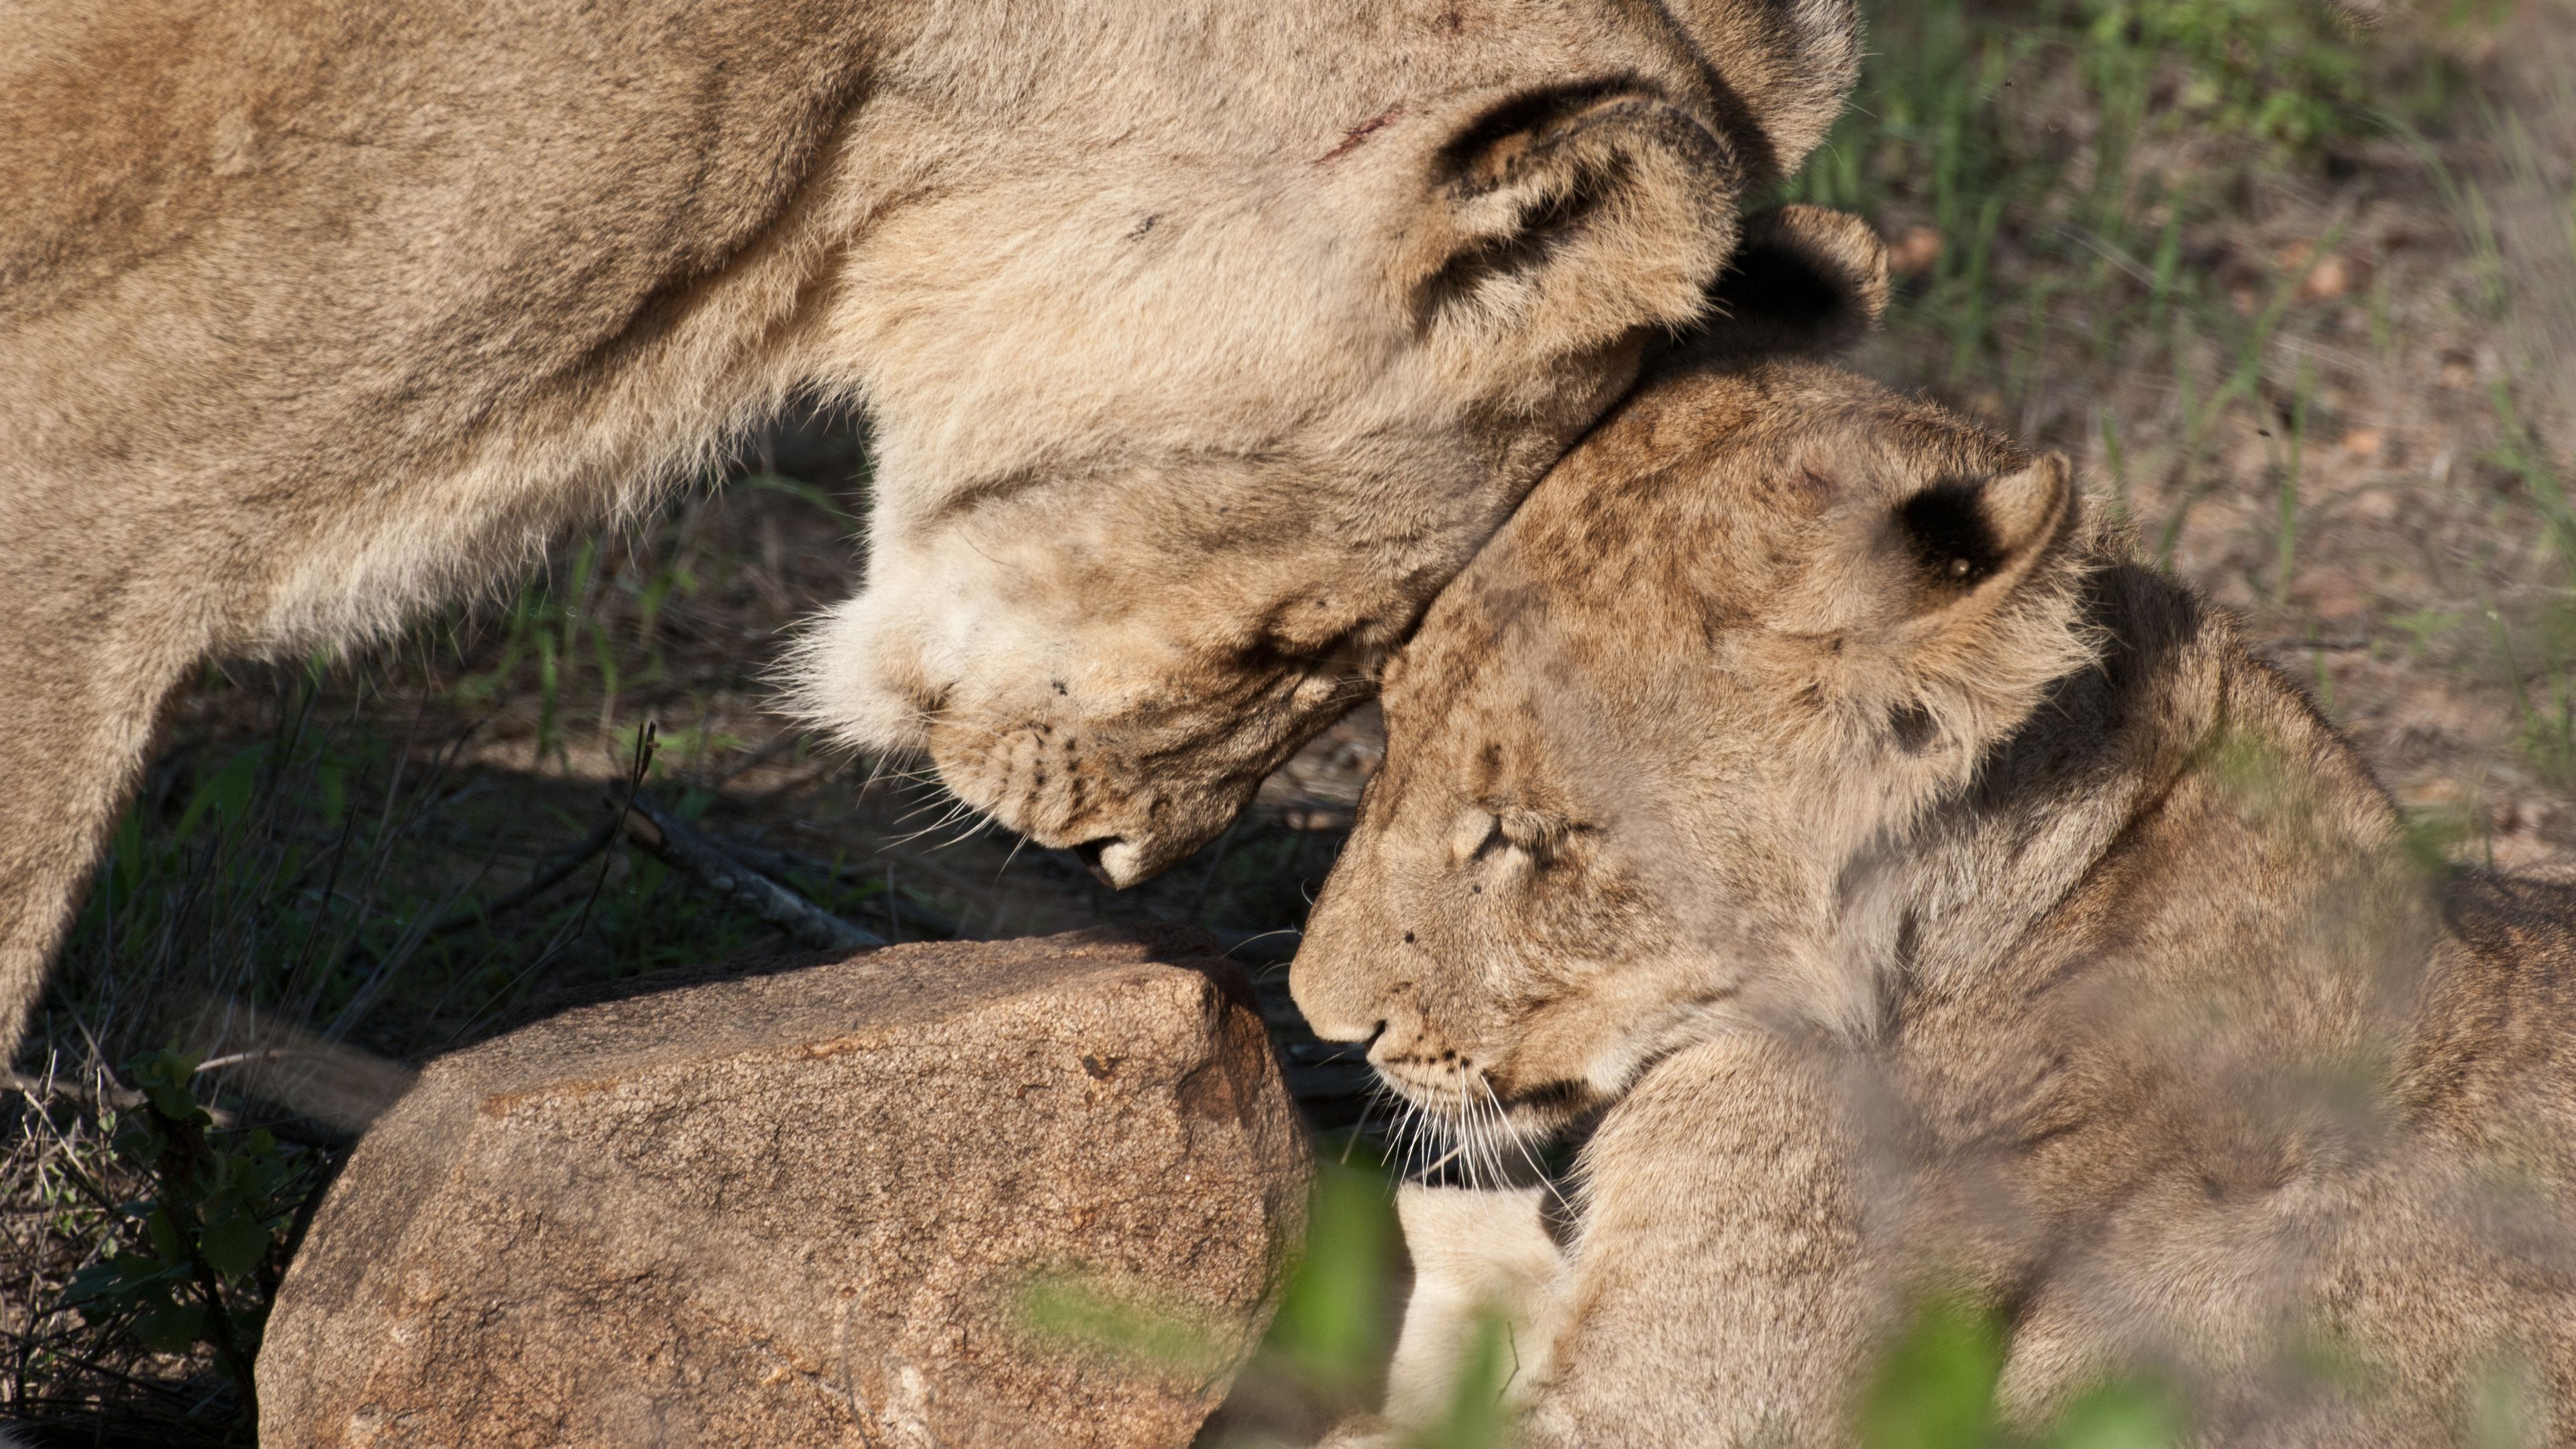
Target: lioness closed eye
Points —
{"points": [[1910, 893]]}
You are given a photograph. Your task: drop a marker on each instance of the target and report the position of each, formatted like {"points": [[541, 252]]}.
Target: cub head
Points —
{"points": [[1645, 752]]}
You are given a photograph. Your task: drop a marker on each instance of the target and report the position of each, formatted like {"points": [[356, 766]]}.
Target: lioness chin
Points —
{"points": [[1909, 893]]}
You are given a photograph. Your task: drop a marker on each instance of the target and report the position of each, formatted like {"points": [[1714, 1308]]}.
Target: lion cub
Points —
{"points": [[1909, 893]]}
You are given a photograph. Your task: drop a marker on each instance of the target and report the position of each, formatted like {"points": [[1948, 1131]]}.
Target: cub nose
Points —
{"points": [[1345, 978], [1339, 1004]]}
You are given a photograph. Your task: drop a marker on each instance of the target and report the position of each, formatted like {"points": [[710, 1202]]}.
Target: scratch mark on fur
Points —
{"points": [[1357, 136]]}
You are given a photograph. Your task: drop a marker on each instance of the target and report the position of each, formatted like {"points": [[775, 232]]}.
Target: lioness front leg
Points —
{"points": [[1721, 1294], [76, 722]]}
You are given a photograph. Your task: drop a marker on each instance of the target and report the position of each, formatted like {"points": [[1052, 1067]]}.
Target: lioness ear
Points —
{"points": [[1804, 279], [1965, 538], [1564, 220]]}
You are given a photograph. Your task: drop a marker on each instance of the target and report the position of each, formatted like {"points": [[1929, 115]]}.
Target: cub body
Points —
{"points": [[1908, 893]]}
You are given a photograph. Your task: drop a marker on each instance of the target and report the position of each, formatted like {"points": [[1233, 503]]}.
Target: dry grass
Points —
{"points": [[2323, 368], [63, 1212]]}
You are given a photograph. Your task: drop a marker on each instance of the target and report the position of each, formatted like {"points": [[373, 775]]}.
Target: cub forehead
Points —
{"points": [[1699, 459], [1687, 516]]}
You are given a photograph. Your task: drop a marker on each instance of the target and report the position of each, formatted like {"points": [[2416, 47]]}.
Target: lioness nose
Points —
{"points": [[1342, 999]]}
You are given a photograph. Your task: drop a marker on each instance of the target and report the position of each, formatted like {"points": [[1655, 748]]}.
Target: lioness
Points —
{"points": [[1921, 896], [1201, 341]]}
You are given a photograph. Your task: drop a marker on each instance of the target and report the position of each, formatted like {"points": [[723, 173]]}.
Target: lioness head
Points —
{"points": [[1643, 753], [1247, 328]]}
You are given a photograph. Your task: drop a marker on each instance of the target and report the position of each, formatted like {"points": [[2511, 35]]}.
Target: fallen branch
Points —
{"points": [[683, 848], [327, 1082], [918, 914]]}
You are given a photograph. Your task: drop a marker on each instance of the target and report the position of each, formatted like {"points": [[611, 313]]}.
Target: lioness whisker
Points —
{"points": [[978, 822], [946, 819], [942, 801]]}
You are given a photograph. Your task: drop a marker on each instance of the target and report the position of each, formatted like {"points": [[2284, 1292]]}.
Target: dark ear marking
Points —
{"points": [[1492, 150], [1524, 182], [1912, 726], [1772, 282], [1539, 231], [1946, 528], [1804, 279]]}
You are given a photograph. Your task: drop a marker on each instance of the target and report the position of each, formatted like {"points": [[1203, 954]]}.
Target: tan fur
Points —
{"points": [[1201, 342], [1999, 926], [1480, 1256]]}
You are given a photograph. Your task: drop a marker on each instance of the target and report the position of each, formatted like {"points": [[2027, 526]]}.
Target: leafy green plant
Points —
{"points": [[212, 1241]]}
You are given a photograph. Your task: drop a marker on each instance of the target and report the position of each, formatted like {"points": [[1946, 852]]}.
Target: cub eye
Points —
{"points": [[1472, 833], [1535, 833]]}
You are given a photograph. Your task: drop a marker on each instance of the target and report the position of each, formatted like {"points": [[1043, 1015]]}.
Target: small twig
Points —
{"points": [[175, 1393], [638, 770], [40, 1090], [647, 740], [683, 848], [537, 885]]}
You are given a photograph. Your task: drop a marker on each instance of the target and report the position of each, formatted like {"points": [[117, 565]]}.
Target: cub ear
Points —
{"points": [[1969, 538], [1804, 279]]}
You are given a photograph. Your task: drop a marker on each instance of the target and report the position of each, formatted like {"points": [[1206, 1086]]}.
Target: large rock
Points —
{"points": [[814, 1207]]}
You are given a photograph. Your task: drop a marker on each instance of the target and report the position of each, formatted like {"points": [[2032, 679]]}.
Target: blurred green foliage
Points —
{"points": [[1093, 1317], [1335, 1321], [1936, 1388], [2288, 72], [1328, 1342]]}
